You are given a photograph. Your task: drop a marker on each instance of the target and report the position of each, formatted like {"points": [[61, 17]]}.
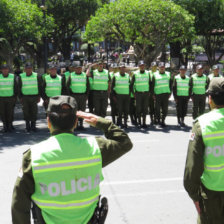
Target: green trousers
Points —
{"points": [[212, 207], [81, 101], [29, 106], [123, 105], [7, 109], [142, 100], [161, 103], [198, 105], [181, 106], [100, 102]]}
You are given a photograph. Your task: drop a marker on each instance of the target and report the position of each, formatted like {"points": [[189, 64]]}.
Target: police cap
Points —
{"points": [[161, 64], [28, 65], [62, 104], [215, 67], [52, 66], [199, 66], [182, 67], [122, 65], [216, 86], [141, 63], [5, 66], [153, 64], [76, 64]]}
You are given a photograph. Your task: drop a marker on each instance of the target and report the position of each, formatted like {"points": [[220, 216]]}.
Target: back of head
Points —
{"points": [[61, 112], [216, 90]]}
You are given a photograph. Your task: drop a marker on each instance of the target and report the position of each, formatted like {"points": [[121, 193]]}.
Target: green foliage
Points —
{"points": [[141, 21]]}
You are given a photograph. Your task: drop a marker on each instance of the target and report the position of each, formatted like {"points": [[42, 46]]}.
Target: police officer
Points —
{"points": [[8, 93], [53, 84], [181, 93], [101, 89], [140, 87], [162, 86], [29, 93], [78, 87], [199, 83], [90, 95], [215, 72], [61, 175], [121, 90], [152, 71], [113, 100], [204, 173]]}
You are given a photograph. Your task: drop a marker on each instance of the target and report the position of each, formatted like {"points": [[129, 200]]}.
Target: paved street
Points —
{"points": [[144, 186]]}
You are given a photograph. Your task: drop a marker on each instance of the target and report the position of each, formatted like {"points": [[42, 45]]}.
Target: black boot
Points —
{"points": [[182, 122], [152, 120], [163, 124], [139, 122], [28, 128], [178, 121], [33, 126], [144, 122]]}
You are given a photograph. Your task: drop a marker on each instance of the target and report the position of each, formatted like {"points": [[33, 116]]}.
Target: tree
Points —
{"points": [[209, 15], [148, 24], [69, 17], [21, 24]]}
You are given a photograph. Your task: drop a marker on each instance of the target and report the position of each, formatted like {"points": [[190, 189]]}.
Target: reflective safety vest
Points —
{"points": [[211, 76], [7, 85], [100, 80], [29, 84], [141, 81], [90, 83], [199, 84], [122, 84], [212, 126], [53, 86], [67, 171], [182, 85], [78, 82], [67, 74], [162, 83]]}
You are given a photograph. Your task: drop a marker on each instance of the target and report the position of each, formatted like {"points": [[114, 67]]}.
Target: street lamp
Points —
{"points": [[45, 49]]}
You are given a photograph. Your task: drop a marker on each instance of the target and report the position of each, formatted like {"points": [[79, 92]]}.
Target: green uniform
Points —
{"points": [[8, 93], [203, 177], [52, 86], [140, 86], [181, 92], [90, 95], [110, 150], [211, 76], [29, 93], [199, 85], [100, 92], [78, 87], [113, 103], [162, 86], [121, 90], [151, 101]]}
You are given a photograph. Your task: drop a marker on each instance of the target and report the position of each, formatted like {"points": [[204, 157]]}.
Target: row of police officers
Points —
{"points": [[132, 95]]}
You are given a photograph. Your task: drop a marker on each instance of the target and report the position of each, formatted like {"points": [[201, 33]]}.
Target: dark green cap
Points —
{"points": [[216, 86], [57, 104]]}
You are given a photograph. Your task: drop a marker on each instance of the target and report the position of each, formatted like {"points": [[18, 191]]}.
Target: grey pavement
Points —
{"points": [[144, 186]]}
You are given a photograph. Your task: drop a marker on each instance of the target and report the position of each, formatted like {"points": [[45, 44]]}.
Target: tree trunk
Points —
{"points": [[66, 48]]}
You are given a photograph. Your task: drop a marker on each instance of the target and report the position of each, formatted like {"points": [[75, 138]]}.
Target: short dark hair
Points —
{"points": [[62, 121], [218, 98]]}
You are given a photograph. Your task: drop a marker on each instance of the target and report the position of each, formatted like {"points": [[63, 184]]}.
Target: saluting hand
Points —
{"points": [[88, 117]]}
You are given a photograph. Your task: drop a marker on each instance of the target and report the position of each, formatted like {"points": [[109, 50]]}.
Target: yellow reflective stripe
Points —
{"points": [[214, 135], [161, 86], [65, 165], [216, 168], [66, 205]]}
